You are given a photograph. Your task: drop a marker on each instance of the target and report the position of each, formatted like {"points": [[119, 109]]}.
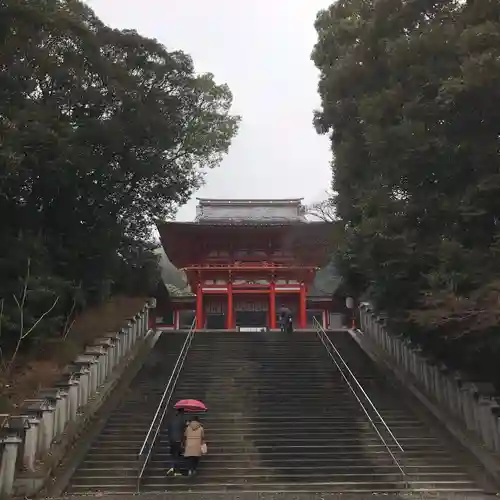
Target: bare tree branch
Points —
{"points": [[24, 295], [67, 325], [24, 335], [323, 210], [21, 302], [68, 330]]}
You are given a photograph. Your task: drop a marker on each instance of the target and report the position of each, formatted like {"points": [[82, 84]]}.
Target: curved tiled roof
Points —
{"points": [[186, 243]]}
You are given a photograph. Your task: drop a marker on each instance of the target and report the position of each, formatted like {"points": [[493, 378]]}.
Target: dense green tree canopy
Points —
{"points": [[409, 92], [102, 131]]}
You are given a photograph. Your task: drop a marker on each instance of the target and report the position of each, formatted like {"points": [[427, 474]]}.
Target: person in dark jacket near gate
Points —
{"points": [[285, 319], [176, 429]]}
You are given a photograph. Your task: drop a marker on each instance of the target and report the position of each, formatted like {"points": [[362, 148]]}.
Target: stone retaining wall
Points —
{"points": [[476, 404], [28, 441]]}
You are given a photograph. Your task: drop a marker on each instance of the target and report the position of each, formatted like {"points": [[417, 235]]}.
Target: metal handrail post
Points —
{"points": [[165, 408], [321, 333], [187, 341], [156, 422]]}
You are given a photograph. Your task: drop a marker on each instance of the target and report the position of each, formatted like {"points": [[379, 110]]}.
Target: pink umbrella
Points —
{"points": [[191, 405]]}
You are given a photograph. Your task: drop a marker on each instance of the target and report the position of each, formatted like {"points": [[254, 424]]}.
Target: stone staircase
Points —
{"points": [[111, 461], [281, 418]]}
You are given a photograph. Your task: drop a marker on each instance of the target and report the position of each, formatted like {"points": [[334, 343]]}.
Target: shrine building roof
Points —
{"points": [[223, 223], [250, 210]]}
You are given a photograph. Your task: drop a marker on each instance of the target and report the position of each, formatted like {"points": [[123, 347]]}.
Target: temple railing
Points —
{"points": [[473, 405], [157, 422], [247, 266], [45, 426], [379, 425]]}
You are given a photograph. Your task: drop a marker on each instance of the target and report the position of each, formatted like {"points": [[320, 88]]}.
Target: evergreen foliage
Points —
{"points": [[410, 93], [102, 131]]}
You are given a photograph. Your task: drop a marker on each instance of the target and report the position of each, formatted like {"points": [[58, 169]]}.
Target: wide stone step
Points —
{"points": [[206, 487], [298, 434], [264, 382], [321, 417], [282, 399], [242, 369], [242, 419], [305, 356], [304, 411], [261, 365], [292, 439], [220, 468], [332, 448], [245, 420], [246, 376], [268, 394], [254, 455], [248, 430], [218, 408], [269, 391], [272, 475], [306, 463], [267, 379], [275, 404]]}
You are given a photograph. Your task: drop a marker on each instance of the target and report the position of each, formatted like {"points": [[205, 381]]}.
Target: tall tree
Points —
{"points": [[102, 132], [406, 91]]}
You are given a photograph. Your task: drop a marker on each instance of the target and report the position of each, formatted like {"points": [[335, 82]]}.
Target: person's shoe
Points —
{"points": [[190, 473], [177, 473], [170, 471]]}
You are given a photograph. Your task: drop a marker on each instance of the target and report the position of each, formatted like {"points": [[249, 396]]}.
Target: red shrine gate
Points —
{"points": [[243, 269], [258, 288]]}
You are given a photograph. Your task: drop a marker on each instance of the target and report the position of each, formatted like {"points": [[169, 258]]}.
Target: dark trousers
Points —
{"points": [[192, 463], [175, 453], [286, 324]]}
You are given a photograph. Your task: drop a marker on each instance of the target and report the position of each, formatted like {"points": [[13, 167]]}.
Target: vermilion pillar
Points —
{"points": [[302, 307], [199, 307], [272, 306], [229, 315]]}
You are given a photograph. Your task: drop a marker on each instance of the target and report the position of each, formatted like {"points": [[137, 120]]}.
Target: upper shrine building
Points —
{"points": [[244, 259]]}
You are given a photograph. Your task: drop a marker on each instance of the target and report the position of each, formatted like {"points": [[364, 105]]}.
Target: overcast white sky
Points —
{"points": [[261, 49]]}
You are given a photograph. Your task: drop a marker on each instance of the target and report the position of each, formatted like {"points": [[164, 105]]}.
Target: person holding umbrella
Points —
{"points": [[194, 434], [176, 428]]}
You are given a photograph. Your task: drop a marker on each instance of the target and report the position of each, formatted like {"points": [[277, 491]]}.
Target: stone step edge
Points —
{"points": [[260, 493]]}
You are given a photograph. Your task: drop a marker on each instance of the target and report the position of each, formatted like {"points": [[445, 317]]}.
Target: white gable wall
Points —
{"points": [[254, 212], [250, 211]]}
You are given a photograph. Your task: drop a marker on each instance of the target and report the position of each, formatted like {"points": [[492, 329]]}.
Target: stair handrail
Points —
{"points": [[157, 421], [322, 335]]}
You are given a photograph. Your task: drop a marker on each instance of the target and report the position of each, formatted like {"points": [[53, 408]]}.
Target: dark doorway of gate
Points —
{"points": [[251, 318], [216, 321]]}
